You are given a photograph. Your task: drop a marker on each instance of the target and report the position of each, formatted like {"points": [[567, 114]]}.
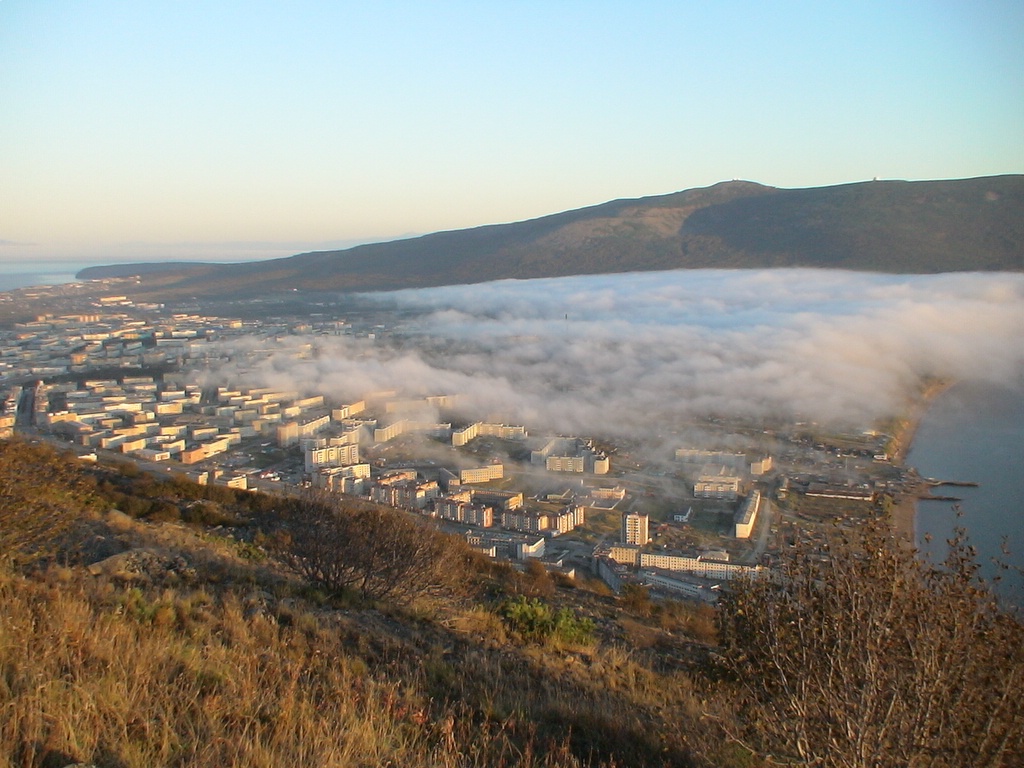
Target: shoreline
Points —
{"points": [[907, 431], [904, 509]]}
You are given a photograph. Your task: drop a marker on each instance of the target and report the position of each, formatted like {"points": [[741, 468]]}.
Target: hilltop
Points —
{"points": [[886, 226]]}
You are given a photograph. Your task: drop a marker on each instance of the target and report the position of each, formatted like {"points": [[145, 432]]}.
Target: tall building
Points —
{"points": [[635, 529]]}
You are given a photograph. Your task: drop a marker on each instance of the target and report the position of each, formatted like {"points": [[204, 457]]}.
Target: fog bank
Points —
{"points": [[613, 354]]}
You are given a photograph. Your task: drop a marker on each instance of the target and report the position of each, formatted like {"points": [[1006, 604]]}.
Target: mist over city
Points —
{"points": [[614, 354], [536, 385]]}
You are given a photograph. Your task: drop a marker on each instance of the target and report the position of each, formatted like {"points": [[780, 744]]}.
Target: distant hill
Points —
{"points": [[889, 226]]}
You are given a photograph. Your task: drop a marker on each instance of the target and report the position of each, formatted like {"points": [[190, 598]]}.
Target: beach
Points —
{"points": [[904, 512]]}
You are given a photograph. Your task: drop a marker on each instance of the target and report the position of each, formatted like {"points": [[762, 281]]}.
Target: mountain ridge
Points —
{"points": [[889, 226]]}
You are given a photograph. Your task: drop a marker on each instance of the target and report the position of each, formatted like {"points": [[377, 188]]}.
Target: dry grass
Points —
{"points": [[92, 672], [230, 660]]}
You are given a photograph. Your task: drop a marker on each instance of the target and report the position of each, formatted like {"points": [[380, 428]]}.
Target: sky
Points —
{"points": [[243, 130]]}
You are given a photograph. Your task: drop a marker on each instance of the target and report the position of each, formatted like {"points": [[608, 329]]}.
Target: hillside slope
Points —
{"points": [[169, 624], [891, 226]]}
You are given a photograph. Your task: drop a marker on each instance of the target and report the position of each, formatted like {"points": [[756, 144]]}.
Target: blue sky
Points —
{"points": [[232, 130]]}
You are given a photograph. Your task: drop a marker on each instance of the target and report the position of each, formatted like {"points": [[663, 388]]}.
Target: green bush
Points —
{"points": [[536, 621]]}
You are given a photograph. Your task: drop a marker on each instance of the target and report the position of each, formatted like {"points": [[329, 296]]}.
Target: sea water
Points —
{"points": [[23, 274], [975, 432]]}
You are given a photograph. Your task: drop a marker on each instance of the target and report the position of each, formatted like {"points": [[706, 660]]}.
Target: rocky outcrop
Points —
{"points": [[144, 565]]}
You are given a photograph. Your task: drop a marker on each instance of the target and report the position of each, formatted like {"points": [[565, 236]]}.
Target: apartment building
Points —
{"points": [[504, 431], [390, 432], [635, 529], [291, 432], [348, 411], [697, 566], [317, 454], [717, 481], [481, 474], [464, 511], [351, 479], [571, 454], [746, 516]]}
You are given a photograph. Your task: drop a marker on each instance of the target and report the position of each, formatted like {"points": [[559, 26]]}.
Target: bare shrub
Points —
{"points": [[537, 582], [870, 657], [636, 599], [382, 553]]}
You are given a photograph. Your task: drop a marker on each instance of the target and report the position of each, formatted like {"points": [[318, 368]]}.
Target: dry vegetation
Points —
{"points": [[872, 658], [220, 652]]}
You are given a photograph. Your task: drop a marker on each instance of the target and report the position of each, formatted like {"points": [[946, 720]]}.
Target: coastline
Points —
{"points": [[904, 509], [904, 513], [907, 429]]}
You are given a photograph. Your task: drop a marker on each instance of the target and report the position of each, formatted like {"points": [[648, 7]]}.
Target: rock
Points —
{"points": [[143, 565]]}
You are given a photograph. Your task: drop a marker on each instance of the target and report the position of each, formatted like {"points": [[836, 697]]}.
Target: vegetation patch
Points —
{"points": [[536, 621]]}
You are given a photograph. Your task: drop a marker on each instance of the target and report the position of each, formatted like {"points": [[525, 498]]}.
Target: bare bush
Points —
{"points": [[870, 657], [383, 553]]}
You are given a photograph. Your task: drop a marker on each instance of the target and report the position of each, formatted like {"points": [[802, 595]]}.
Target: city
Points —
{"points": [[142, 382]]}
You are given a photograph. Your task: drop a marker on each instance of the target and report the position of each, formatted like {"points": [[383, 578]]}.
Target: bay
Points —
{"points": [[974, 432], [26, 274]]}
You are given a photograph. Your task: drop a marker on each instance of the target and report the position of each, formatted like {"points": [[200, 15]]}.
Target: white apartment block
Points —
{"points": [[527, 549], [538, 522], [571, 454], [521, 520], [635, 529], [717, 481], [305, 403], [711, 490], [623, 554], [504, 431], [746, 517], [348, 411], [350, 479], [565, 464], [737, 461], [291, 432], [408, 494], [390, 432], [464, 511], [481, 474], [697, 566], [568, 519], [330, 455]]}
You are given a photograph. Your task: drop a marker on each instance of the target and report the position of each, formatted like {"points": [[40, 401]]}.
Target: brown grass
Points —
{"points": [[234, 661], [92, 672]]}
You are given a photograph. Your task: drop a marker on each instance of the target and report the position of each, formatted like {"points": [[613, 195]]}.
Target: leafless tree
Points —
{"points": [[868, 656]]}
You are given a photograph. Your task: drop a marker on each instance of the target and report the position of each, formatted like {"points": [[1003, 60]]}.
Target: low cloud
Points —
{"points": [[617, 354]]}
